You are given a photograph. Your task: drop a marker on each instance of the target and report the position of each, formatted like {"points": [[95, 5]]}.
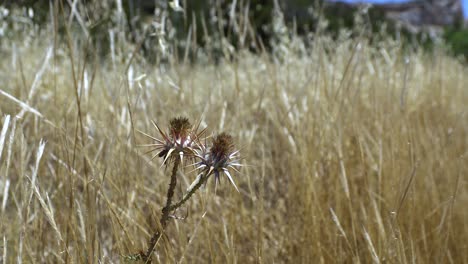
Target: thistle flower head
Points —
{"points": [[180, 129], [222, 148], [219, 158], [181, 140]]}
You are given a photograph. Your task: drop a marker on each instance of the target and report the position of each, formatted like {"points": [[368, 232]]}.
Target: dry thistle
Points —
{"points": [[219, 158], [181, 140], [215, 160]]}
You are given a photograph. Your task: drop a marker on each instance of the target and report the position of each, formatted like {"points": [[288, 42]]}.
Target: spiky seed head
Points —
{"points": [[219, 158], [223, 146], [179, 142], [180, 128]]}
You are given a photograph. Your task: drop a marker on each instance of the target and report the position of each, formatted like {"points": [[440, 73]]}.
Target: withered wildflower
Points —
{"points": [[219, 158], [215, 160], [181, 140]]}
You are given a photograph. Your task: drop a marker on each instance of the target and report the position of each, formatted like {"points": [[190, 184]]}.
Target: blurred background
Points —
{"points": [[420, 21]]}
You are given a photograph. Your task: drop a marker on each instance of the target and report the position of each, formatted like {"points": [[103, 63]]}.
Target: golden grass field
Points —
{"points": [[354, 153]]}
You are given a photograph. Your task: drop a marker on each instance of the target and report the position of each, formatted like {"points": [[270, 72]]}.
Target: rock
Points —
{"points": [[421, 15]]}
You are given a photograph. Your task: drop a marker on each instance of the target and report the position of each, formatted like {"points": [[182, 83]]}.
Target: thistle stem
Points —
{"points": [[190, 192], [170, 193], [165, 213]]}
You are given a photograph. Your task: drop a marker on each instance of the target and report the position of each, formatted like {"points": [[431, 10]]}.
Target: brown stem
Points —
{"points": [[190, 192], [170, 193], [165, 214]]}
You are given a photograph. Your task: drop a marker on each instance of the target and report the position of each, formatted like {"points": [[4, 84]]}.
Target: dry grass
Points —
{"points": [[358, 153]]}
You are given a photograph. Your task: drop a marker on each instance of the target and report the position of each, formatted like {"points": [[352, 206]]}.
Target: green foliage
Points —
{"points": [[457, 40]]}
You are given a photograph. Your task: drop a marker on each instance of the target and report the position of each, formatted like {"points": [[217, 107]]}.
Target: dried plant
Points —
{"points": [[184, 141], [215, 160]]}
